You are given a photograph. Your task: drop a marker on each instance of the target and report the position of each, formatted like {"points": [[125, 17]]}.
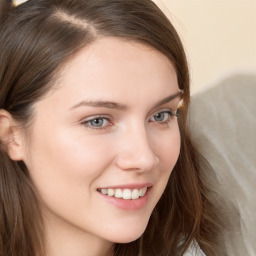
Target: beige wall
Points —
{"points": [[219, 36]]}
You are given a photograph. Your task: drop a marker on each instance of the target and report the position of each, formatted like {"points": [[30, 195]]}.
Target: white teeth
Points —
{"points": [[125, 193], [143, 192], [104, 191], [118, 193], [111, 192], [135, 194]]}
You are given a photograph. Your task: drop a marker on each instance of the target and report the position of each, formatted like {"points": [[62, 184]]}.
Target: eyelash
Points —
{"points": [[88, 123], [170, 116]]}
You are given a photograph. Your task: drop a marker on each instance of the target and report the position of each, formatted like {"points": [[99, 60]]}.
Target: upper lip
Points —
{"points": [[129, 186]]}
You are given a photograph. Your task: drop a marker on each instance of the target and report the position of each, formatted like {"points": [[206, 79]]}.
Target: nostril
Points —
{"points": [[135, 151]]}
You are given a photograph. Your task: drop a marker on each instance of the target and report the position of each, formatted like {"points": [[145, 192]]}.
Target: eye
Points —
{"points": [[97, 123], [162, 117]]}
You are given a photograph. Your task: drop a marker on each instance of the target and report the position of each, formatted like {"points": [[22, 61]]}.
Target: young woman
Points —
{"points": [[94, 160]]}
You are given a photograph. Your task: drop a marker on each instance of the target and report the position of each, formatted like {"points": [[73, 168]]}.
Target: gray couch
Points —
{"points": [[223, 126]]}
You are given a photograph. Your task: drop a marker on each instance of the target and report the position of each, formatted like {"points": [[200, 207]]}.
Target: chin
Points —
{"points": [[128, 235], [127, 239]]}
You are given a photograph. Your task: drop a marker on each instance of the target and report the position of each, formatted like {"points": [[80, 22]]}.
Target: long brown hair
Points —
{"points": [[36, 39]]}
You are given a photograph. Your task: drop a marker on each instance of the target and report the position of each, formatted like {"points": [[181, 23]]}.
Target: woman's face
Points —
{"points": [[103, 143]]}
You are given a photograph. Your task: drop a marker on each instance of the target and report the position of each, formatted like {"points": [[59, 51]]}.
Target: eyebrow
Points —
{"points": [[119, 106], [101, 104], [170, 98]]}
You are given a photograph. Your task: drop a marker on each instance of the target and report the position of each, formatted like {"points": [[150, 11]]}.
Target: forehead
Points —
{"points": [[110, 50], [112, 68]]}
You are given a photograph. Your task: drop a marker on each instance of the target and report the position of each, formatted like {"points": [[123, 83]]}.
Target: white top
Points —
{"points": [[194, 250]]}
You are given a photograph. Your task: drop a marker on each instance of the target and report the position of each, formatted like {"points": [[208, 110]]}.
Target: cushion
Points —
{"points": [[223, 126]]}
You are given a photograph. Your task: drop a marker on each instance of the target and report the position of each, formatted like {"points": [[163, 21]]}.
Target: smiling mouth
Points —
{"points": [[127, 194]]}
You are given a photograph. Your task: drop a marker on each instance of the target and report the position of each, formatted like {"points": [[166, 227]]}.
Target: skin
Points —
{"points": [[69, 159]]}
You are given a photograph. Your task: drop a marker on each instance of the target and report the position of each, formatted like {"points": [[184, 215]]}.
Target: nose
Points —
{"points": [[135, 151]]}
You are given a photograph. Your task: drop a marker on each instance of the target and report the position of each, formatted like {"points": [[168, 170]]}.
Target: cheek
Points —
{"points": [[168, 149], [64, 163], [65, 170], [86, 154]]}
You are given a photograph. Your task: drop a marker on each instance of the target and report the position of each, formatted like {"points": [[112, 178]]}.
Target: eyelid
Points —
{"points": [[85, 122], [170, 113], [169, 110]]}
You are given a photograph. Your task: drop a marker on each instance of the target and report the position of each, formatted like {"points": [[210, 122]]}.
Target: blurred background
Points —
{"points": [[219, 37]]}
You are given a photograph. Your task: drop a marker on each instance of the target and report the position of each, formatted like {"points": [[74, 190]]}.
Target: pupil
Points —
{"points": [[97, 122], [159, 117]]}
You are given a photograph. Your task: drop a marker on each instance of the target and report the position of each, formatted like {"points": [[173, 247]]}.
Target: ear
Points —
{"points": [[10, 136]]}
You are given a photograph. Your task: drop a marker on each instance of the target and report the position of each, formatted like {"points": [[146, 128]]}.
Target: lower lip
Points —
{"points": [[127, 204]]}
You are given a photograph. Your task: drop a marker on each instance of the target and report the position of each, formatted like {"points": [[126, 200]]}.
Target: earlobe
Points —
{"points": [[10, 136]]}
